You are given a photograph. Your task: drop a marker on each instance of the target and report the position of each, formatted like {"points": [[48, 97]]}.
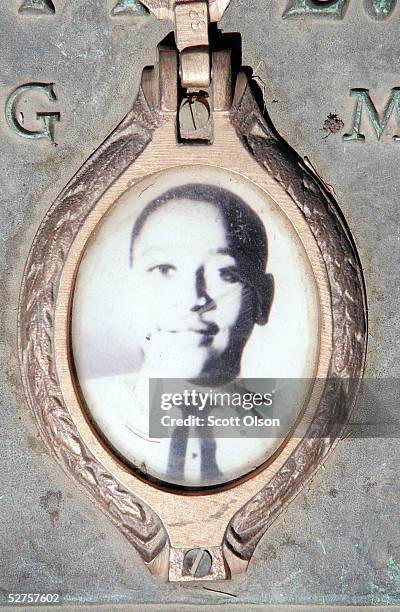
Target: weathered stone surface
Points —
{"points": [[339, 541]]}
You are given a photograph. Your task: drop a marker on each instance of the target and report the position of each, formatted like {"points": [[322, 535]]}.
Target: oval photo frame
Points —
{"points": [[141, 511]]}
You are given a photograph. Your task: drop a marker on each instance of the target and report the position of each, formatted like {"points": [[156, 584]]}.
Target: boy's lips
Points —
{"points": [[211, 329]]}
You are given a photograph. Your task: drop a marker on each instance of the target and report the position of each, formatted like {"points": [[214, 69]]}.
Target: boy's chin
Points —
{"points": [[186, 362]]}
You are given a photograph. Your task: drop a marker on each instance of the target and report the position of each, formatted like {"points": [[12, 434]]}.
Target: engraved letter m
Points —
{"points": [[378, 122]]}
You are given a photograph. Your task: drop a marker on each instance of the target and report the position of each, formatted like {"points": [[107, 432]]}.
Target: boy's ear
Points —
{"points": [[264, 298]]}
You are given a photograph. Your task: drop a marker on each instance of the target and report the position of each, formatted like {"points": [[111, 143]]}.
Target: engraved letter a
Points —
{"points": [[378, 122]]}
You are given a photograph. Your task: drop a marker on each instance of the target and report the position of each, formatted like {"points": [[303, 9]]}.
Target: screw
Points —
{"points": [[194, 113], [197, 562]]}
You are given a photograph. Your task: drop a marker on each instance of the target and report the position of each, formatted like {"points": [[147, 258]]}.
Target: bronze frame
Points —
{"points": [[139, 510]]}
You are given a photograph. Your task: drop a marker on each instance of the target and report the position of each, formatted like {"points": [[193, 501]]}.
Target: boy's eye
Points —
{"points": [[229, 275], [164, 269]]}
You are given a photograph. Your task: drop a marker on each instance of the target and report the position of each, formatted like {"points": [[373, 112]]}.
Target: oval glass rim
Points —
{"points": [[67, 286], [94, 440]]}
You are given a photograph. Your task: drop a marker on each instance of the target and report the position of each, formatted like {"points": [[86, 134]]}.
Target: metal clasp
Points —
{"points": [[205, 75], [191, 19], [191, 35]]}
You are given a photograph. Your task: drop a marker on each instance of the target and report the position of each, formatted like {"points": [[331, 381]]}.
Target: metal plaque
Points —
{"points": [[200, 297]]}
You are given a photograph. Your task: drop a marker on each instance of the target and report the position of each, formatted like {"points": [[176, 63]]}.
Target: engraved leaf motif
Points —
{"points": [[138, 522], [349, 324]]}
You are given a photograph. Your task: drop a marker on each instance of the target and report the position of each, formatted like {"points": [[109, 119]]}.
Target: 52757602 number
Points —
{"points": [[33, 598]]}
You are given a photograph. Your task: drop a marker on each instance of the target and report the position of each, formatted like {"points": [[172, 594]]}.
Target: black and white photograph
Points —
{"points": [[194, 275]]}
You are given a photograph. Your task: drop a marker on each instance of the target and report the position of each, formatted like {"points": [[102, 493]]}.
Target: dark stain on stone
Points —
{"points": [[332, 124], [270, 552], [35, 444], [369, 485], [333, 492], [289, 541], [342, 467], [51, 502]]}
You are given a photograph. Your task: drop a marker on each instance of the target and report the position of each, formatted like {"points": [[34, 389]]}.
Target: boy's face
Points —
{"points": [[188, 283]]}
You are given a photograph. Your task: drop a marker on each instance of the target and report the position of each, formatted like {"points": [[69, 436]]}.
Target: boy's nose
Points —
{"points": [[204, 302]]}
